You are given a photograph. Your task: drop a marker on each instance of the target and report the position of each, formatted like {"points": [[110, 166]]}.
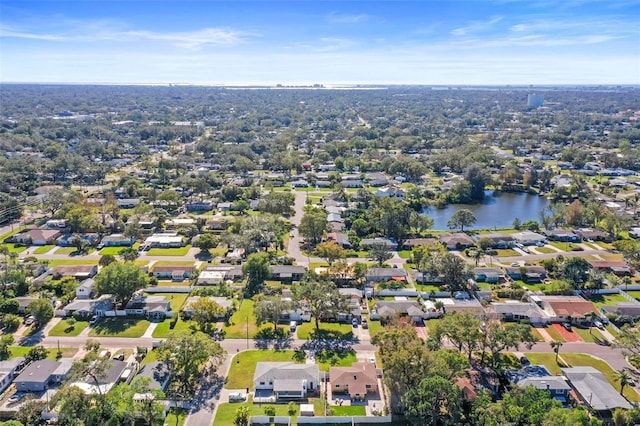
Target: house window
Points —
{"points": [[270, 383], [262, 383], [337, 386], [368, 386]]}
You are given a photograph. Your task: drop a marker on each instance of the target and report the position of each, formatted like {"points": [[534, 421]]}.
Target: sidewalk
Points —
{"points": [[546, 336], [150, 329]]}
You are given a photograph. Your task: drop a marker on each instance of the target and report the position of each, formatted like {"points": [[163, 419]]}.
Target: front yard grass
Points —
{"points": [[43, 249], [546, 359], [15, 248], [64, 329], [114, 250], [66, 250], [555, 334], [119, 327], [375, 328], [178, 251], [58, 262], [328, 358], [243, 366], [240, 320], [506, 253], [15, 351], [327, 330], [164, 328], [545, 250]]}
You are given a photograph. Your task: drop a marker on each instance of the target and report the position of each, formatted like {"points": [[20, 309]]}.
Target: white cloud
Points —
{"points": [[476, 26]]}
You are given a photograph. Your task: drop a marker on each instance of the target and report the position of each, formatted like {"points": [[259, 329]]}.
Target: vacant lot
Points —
{"points": [[120, 327]]}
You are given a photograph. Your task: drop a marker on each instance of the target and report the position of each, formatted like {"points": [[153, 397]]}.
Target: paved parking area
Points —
{"points": [[569, 336]]}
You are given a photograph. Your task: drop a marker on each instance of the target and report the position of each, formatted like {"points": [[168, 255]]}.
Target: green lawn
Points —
{"points": [[349, 410], [15, 248], [164, 328], [43, 249], [9, 234], [175, 299], [114, 251], [239, 324], [331, 330], [52, 352], [176, 417], [536, 334], [179, 251], [63, 329], [227, 411], [606, 299], [506, 253], [328, 358], [561, 246], [545, 250], [375, 327], [555, 334], [404, 254], [59, 262], [546, 359], [243, 366], [65, 250], [119, 327], [152, 356]]}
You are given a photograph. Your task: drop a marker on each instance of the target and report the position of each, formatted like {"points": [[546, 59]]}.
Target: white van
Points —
{"points": [[292, 326]]}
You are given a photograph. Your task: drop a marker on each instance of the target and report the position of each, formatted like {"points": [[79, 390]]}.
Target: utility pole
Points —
{"points": [[247, 332]]}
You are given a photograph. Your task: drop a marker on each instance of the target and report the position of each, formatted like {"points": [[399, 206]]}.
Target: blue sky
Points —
{"points": [[304, 41]]}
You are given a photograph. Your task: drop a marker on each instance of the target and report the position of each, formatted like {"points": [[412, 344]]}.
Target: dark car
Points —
{"points": [[567, 326], [524, 360]]}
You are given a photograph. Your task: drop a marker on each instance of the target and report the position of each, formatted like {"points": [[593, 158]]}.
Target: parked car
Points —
{"points": [[524, 360], [15, 397], [119, 357], [598, 324], [567, 326], [292, 326], [237, 397], [354, 322], [93, 320], [29, 320], [365, 324]]}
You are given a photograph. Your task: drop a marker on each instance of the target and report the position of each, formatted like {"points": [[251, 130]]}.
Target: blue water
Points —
{"points": [[498, 210]]}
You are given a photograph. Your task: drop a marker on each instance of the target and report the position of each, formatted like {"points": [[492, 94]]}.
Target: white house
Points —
{"points": [[168, 239], [85, 289], [287, 380]]}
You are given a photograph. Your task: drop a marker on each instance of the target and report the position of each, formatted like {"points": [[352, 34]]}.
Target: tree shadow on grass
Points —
{"points": [[280, 339], [112, 326]]}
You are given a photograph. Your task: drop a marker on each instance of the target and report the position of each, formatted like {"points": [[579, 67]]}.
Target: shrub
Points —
{"points": [[270, 410], [292, 408]]}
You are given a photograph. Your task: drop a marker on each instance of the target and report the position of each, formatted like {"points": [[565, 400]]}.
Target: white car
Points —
{"points": [[237, 397], [15, 398]]}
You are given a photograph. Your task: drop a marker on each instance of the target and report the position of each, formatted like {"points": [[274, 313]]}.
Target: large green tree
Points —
{"points": [[435, 401], [121, 280], [256, 269], [576, 271], [206, 311], [462, 218], [330, 251], [313, 225], [186, 355], [270, 309], [322, 299], [42, 310]]}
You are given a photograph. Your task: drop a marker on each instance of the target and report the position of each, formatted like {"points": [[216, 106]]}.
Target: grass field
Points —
{"points": [[58, 262], [349, 410], [164, 328], [327, 358], [555, 334], [119, 327], [63, 329], [332, 330], [546, 359], [14, 248], [243, 366], [240, 320], [545, 250], [179, 251], [43, 249], [65, 250], [114, 251], [52, 352]]}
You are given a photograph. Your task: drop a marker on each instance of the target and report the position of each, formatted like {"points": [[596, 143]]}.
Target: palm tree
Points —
{"points": [[624, 378], [590, 316], [477, 254], [556, 345]]}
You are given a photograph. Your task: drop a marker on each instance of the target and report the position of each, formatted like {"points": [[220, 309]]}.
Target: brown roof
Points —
{"points": [[72, 269], [355, 378], [572, 307], [41, 234], [606, 264], [172, 268]]}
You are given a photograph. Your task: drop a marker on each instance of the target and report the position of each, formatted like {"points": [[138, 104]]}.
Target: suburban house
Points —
{"points": [[357, 381], [390, 191], [128, 203], [172, 272], [528, 238], [152, 307], [287, 380], [158, 374], [398, 308], [68, 240], [39, 375], [532, 274], [457, 241], [116, 240], [340, 238], [562, 235], [498, 241], [623, 309], [79, 272], [23, 302], [617, 267], [354, 298], [367, 243], [382, 275], [519, 311], [199, 205], [56, 223], [164, 240], [86, 308], [593, 234], [226, 304], [37, 237], [471, 305], [414, 242], [540, 378], [85, 289], [8, 370], [287, 273], [565, 308], [117, 372], [489, 275], [594, 390], [212, 275]]}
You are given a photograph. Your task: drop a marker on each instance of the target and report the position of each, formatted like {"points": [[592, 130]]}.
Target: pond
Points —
{"points": [[498, 210]]}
